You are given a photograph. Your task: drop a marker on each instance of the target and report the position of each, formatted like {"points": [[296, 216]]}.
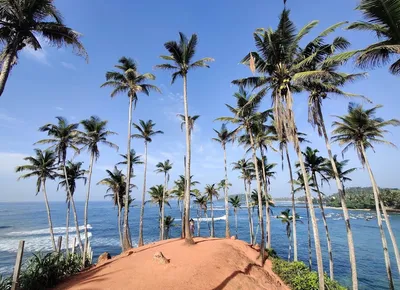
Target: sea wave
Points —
{"points": [[222, 218], [57, 230]]}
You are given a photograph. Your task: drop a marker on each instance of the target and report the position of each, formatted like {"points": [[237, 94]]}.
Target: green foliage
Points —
{"points": [[5, 283], [46, 270], [270, 253], [298, 277]]}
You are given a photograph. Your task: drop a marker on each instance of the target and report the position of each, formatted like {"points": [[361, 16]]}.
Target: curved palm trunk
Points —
{"points": [[267, 216], [163, 206], [159, 218], [236, 222], [391, 234], [119, 223], [46, 201], [340, 187], [260, 205], [67, 228], [317, 243], [227, 231], [379, 219], [208, 223], [290, 242], [140, 242], [328, 238], [6, 68], [85, 253], [247, 194], [212, 219], [182, 220], [188, 234], [294, 231], [198, 222], [78, 234], [126, 235], [309, 236]]}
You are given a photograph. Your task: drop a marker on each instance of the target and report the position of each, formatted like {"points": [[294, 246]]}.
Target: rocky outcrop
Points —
{"points": [[103, 258]]}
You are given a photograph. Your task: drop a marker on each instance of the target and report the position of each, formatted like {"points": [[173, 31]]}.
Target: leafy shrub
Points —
{"points": [[299, 277], [5, 283], [270, 253]]}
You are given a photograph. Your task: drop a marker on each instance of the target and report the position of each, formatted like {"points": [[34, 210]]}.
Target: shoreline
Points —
{"points": [[389, 210]]}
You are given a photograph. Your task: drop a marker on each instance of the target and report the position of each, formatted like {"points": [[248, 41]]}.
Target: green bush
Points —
{"points": [[5, 283], [299, 277], [270, 253]]}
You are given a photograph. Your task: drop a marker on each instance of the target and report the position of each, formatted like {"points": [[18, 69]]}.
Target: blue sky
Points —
{"points": [[55, 82]]}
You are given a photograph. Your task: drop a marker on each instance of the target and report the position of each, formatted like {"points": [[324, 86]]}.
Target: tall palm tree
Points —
{"points": [[224, 136], [315, 165], [360, 129], [159, 196], [116, 182], [133, 160], [246, 168], [146, 132], [95, 134], [282, 65], [201, 201], [181, 55], [245, 115], [236, 204], [211, 191], [22, 22], [63, 136], [164, 168], [383, 20], [129, 81], [287, 219], [43, 167], [74, 173]]}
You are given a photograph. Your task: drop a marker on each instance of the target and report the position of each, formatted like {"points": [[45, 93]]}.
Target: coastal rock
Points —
{"points": [[159, 257], [103, 258], [257, 247], [233, 238]]}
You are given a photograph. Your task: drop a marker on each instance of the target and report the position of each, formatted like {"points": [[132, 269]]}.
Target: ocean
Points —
{"points": [[28, 221]]}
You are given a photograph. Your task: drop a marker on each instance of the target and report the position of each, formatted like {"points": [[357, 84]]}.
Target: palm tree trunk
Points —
{"points": [[290, 244], [391, 234], [260, 205], [267, 216], [293, 205], [236, 222], [379, 219], [212, 218], [126, 235], [340, 187], [198, 222], [6, 67], [159, 219], [86, 209], [119, 223], [188, 234], [78, 234], [46, 201], [317, 243], [208, 224], [309, 236], [227, 230], [140, 243], [67, 228], [328, 238], [163, 206], [181, 209], [247, 193]]}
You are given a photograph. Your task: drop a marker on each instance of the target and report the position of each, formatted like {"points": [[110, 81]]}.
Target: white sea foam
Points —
{"points": [[57, 230], [222, 218]]}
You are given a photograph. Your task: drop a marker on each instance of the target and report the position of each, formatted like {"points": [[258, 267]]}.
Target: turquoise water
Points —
{"points": [[28, 221]]}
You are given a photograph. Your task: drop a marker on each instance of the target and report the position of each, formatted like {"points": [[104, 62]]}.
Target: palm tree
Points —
{"points": [[146, 133], [201, 201], [245, 115], [116, 183], [340, 169], [129, 81], [181, 55], [236, 204], [360, 129], [287, 219], [22, 22], [95, 133], [168, 223], [282, 64], [246, 168], [224, 136], [382, 19], [164, 168], [159, 196], [43, 167], [210, 191], [74, 173], [315, 165], [133, 160], [63, 136]]}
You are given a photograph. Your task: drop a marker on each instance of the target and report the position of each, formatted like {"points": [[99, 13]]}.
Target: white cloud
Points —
{"points": [[39, 55], [9, 161], [68, 65], [7, 118], [59, 108]]}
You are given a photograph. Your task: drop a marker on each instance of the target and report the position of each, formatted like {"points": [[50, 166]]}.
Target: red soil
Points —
{"points": [[209, 264]]}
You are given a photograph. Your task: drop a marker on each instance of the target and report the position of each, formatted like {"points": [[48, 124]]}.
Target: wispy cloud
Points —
{"points": [[68, 65], [59, 108], [7, 118], [39, 55], [9, 161]]}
